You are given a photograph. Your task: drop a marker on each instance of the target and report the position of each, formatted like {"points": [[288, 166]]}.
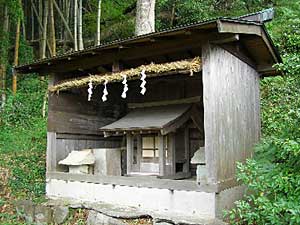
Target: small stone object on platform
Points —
{"points": [[79, 162]]}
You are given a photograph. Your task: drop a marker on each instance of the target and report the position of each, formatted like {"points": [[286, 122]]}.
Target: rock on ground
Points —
{"points": [[60, 214], [26, 210], [43, 215], [96, 218]]}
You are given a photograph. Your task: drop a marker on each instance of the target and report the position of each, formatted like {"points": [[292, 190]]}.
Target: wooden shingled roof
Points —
{"points": [[163, 119], [169, 45]]}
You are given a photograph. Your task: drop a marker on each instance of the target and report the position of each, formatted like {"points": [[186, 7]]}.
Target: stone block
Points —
{"points": [[43, 215], [162, 223], [157, 221], [199, 156], [83, 169], [201, 174], [95, 218], [60, 214], [108, 161], [25, 209]]}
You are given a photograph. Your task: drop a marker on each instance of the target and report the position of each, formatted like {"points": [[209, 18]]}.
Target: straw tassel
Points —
{"points": [[90, 90], [143, 84], [125, 89], [105, 92]]}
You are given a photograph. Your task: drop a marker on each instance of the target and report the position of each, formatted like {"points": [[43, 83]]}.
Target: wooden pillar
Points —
{"points": [[139, 152], [208, 79], [162, 155], [51, 152], [51, 136], [172, 151], [129, 152], [186, 166]]}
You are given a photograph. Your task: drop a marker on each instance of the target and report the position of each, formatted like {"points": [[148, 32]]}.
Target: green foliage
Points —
{"points": [[273, 177], [23, 138], [117, 19]]}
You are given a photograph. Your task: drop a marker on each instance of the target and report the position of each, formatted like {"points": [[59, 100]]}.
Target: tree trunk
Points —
{"points": [[52, 29], [98, 38], [173, 14], [45, 21], [16, 56], [32, 23], [145, 17], [65, 21], [40, 18], [75, 24], [3, 62], [67, 15], [80, 26], [41, 29]]}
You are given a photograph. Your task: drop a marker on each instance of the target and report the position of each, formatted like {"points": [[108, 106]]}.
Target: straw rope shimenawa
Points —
{"points": [[152, 70]]}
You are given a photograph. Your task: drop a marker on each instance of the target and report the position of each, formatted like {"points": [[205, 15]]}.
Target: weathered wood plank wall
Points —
{"points": [[231, 112], [73, 122]]}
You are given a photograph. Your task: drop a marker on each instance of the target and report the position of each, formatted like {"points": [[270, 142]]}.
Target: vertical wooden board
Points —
{"points": [[61, 154], [162, 155], [82, 144], [90, 144], [129, 150], [139, 151], [69, 145], [209, 110], [186, 166], [51, 152], [230, 111], [172, 153]]}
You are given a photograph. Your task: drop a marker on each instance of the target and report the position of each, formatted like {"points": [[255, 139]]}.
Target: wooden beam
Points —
{"points": [[177, 176], [162, 155], [116, 67], [129, 152], [232, 38], [267, 70], [149, 50], [254, 29], [176, 123], [238, 28], [238, 50], [186, 165], [172, 152], [190, 100]]}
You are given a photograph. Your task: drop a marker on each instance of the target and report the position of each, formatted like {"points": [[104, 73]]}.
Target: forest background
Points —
{"points": [[272, 177]]}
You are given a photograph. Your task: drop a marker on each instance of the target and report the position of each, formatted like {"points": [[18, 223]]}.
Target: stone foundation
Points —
{"points": [[58, 212]]}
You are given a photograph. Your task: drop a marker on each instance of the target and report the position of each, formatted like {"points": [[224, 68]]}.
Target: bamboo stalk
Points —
{"points": [[80, 26], [41, 26], [16, 55], [4, 60], [45, 21], [75, 24], [98, 39], [52, 29], [63, 19]]}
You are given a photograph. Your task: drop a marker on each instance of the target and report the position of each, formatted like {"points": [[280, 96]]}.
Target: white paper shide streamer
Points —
{"points": [[90, 90], [105, 92], [143, 84], [125, 86]]}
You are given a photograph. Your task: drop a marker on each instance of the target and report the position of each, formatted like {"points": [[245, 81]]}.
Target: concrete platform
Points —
{"points": [[122, 212]]}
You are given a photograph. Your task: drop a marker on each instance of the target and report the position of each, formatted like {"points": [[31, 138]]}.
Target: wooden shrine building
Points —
{"points": [[172, 149]]}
